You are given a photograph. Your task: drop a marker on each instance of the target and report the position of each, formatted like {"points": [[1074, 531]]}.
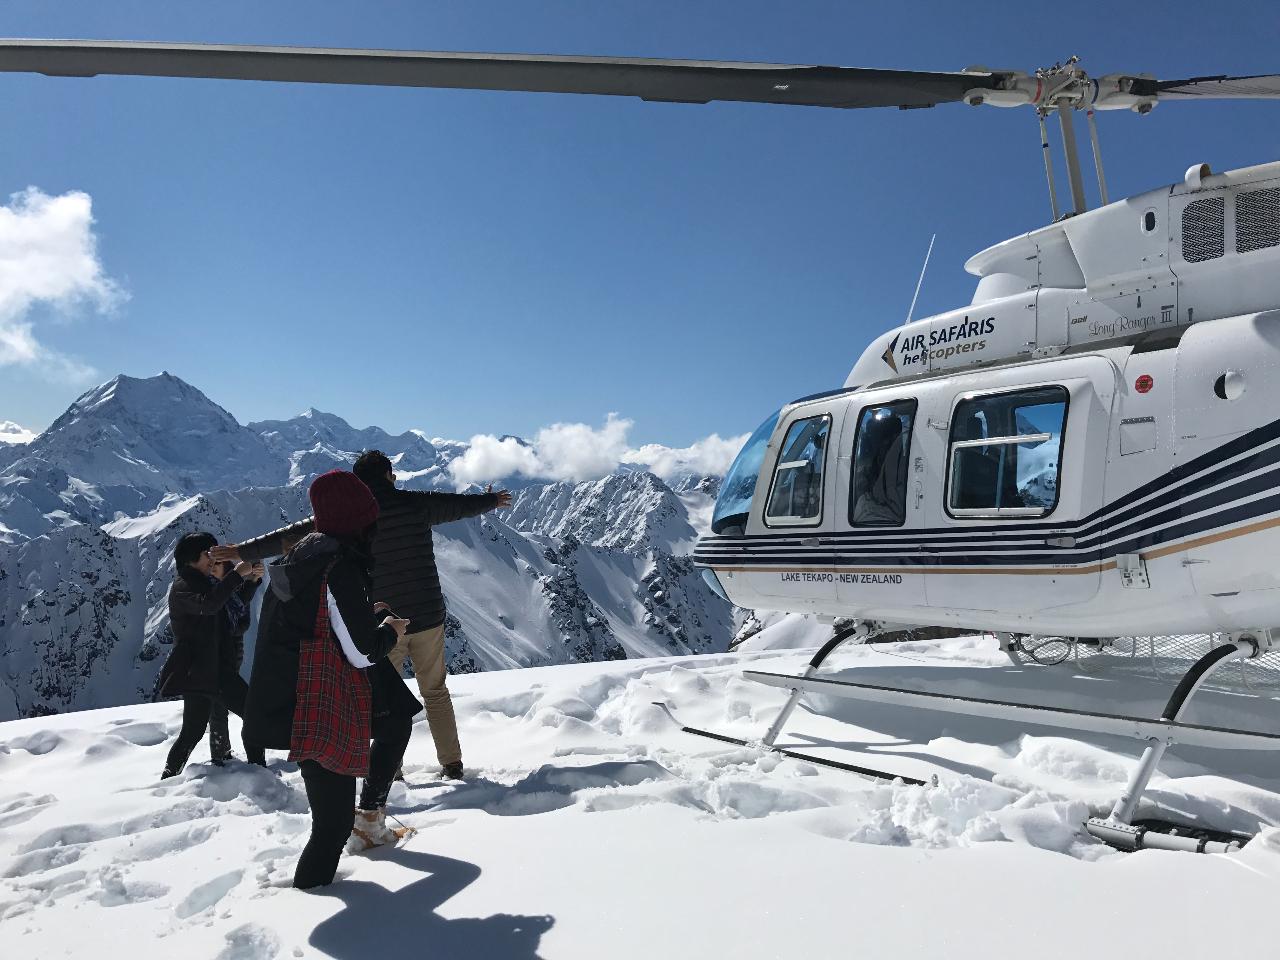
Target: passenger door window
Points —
{"points": [[881, 453], [1006, 453], [795, 498]]}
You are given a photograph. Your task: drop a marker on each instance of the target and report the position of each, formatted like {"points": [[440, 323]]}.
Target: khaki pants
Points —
{"points": [[425, 650]]}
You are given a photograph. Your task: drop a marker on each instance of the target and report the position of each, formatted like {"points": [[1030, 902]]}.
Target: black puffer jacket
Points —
{"points": [[289, 615], [404, 573], [203, 655]]}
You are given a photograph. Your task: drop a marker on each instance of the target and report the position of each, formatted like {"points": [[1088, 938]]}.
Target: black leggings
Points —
{"points": [[196, 709], [219, 738], [330, 795]]}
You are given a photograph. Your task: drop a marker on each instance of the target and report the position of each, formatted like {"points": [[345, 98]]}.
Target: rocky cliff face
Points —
{"points": [[91, 510], [628, 512]]}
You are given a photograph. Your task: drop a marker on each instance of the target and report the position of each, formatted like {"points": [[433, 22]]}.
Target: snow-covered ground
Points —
{"points": [[591, 827]]}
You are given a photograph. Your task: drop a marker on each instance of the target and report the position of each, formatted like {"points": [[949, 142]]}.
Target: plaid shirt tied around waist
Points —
{"points": [[332, 718]]}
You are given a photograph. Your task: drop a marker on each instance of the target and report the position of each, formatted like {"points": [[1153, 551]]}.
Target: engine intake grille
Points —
{"points": [[1203, 227], [1258, 220]]}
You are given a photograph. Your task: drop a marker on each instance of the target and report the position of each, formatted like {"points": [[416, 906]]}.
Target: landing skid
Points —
{"points": [[1120, 829]]}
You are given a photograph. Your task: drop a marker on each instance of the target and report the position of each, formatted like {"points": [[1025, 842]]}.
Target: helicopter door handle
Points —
{"points": [[809, 542], [1067, 542]]}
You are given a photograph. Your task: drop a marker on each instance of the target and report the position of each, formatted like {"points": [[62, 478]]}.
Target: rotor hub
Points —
{"points": [[1067, 84]]}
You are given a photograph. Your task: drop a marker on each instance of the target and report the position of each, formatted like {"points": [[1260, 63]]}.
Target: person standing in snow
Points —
{"points": [[238, 617], [405, 577], [201, 668], [321, 685]]}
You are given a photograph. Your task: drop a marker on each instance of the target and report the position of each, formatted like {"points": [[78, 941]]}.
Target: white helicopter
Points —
{"points": [[1086, 449]]}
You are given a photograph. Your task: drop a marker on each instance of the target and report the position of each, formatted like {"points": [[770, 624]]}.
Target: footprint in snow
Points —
{"points": [[116, 890], [208, 895], [22, 807], [42, 860], [250, 942], [37, 744]]}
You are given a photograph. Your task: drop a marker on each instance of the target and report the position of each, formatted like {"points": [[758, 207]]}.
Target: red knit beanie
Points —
{"points": [[343, 505]]}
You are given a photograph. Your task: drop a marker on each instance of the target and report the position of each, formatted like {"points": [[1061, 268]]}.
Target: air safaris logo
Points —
{"points": [[888, 356], [943, 343]]}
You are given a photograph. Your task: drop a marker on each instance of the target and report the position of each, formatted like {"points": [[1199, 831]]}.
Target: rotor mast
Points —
{"points": [[1062, 89]]}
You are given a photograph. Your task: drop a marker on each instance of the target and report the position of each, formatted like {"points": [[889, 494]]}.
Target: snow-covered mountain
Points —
{"points": [[623, 511], [314, 442], [90, 513], [121, 449]]}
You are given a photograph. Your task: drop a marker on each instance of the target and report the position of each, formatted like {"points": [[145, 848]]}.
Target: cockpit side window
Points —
{"points": [[733, 506], [881, 453], [795, 499]]}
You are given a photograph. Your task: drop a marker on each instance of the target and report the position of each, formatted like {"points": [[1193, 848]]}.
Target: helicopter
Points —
{"points": [[1086, 448]]}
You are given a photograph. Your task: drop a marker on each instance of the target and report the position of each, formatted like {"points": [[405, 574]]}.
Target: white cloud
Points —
{"points": [[488, 458], [578, 451], [562, 451], [49, 256], [709, 456], [11, 432], [575, 451]]}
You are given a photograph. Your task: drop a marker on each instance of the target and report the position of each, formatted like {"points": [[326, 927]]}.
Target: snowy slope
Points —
{"points": [[591, 827], [83, 611]]}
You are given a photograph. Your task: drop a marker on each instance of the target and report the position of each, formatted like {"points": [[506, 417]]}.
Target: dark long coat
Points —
{"points": [[289, 616], [203, 655]]}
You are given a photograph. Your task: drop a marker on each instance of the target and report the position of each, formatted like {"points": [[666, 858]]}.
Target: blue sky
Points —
{"points": [[471, 262]]}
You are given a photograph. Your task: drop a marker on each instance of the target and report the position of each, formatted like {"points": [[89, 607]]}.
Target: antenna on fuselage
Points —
{"points": [[919, 283]]}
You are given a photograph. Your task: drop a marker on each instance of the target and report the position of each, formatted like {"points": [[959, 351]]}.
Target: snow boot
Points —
{"points": [[452, 771], [371, 831]]}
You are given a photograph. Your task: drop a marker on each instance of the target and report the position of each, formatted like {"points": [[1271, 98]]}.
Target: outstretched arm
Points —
{"points": [[268, 545], [446, 507]]}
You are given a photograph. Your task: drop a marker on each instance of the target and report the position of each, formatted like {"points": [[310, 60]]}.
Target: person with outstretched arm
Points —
{"points": [[406, 579]]}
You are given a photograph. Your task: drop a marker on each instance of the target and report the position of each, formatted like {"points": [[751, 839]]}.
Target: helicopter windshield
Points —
{"points": [[739, 485]]}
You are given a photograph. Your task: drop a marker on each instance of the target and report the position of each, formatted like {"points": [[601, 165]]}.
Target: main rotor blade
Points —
{"points": [[1265, 87], [680, 81]]}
